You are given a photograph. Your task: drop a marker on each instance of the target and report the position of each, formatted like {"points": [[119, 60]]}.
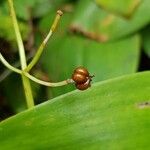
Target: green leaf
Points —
{"points": [[103, 60], [95, 23], [65, 52], [123, 7], [113, 114]]}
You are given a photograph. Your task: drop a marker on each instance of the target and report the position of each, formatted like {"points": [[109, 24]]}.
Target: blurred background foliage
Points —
{"points": [[110, 38]]}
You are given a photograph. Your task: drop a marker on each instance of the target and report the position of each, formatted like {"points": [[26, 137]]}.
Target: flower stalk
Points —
{"points": [[50, 84], [41, 47], [25, 80]]}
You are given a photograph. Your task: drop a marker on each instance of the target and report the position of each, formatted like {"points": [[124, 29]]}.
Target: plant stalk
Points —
{"points": [[25, 80], [41, 47], [22, 72]]}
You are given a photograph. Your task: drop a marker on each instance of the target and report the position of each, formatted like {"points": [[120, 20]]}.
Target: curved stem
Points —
{"points": [[8, 71], [65, 82], [41, 48], [8, 65]]}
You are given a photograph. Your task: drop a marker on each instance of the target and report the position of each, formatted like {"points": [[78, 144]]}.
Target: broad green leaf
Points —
{"points": [[67, 51], [124, 7], [95, 23], [146, 40], [113, 115]]}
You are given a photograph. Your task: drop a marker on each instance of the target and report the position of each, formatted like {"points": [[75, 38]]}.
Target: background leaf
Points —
{"points": [[124, 7], [15, 98], [92, 21], [105, 60], [6, 29], [112, 114]]}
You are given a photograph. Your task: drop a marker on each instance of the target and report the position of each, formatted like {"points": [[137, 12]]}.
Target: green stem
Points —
{"points": [[28, 91], [2, 59], [8, 71], [50, 84], [18, 35], [25, 80], [22, 72], [41, 48]]}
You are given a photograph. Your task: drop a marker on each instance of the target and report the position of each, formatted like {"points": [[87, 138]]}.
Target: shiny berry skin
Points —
{"points": [[82, 78], [83, 86], [81, 70], [79, 78]]}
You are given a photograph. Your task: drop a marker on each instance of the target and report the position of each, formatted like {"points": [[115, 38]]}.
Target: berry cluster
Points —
{"points": [[82, 78]]}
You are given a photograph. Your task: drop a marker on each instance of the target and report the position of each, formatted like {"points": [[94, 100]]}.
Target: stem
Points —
{"points": [[41, 48], [8, 65], [28, 91], [25, 80], [18, 35], [65, 82], [8, 71]]}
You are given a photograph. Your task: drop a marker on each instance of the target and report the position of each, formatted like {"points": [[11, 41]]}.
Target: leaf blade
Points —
{"points": [[107, 115]]}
